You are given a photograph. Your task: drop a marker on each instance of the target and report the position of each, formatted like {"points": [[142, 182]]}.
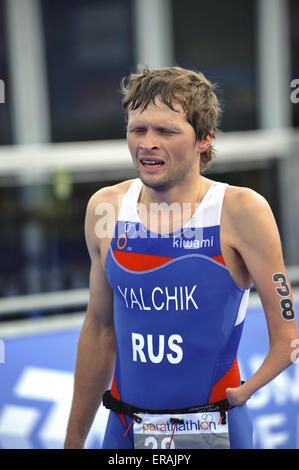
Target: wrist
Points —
{"points": [[238, 396], [74, 442]]}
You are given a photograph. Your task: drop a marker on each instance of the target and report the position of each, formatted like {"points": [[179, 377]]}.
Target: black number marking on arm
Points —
{"points": [[286, 304], [283, 290], [287, 310]]}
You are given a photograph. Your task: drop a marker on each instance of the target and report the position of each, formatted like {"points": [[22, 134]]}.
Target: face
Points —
{"points": [[163, 146]]}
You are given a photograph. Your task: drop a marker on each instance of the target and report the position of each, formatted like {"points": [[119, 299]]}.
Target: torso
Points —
{"points": [[194, 336], [164, 282], [231, 256]]}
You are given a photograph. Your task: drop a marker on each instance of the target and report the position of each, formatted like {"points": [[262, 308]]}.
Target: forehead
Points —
{"points": [[158, 111]]}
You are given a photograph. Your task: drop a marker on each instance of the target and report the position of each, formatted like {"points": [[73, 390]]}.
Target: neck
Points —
{"points": [[168, 211], [189, 192]]}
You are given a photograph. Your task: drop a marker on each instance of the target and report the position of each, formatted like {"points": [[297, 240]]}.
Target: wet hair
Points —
{"points": [[174, 85]]}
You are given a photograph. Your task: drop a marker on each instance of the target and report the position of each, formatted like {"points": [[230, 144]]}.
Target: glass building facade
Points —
{"points": [[89, 46]]}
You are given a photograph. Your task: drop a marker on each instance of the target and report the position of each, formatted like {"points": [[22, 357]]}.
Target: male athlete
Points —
{"points": [[169, 284]]}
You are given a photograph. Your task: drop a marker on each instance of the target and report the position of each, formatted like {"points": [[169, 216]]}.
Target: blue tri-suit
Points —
{"points": [[178, 317]]}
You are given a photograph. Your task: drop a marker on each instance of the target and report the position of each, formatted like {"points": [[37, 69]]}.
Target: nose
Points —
{"points": [[149, 142]]}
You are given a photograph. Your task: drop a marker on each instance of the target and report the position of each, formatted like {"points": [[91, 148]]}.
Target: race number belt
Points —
{"points": [[196, 427], [119, 406]]}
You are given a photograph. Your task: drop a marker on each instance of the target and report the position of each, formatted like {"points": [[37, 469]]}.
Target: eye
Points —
{"points": [[165, 131], [138, 130]]}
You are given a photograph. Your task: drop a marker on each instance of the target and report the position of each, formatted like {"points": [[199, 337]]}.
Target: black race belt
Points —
{"points": [[132, 411]]}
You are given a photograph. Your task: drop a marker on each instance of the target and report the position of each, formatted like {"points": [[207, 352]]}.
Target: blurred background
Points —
{"points": [[62, 137]]}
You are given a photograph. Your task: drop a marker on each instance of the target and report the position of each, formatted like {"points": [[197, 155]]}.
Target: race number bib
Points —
{"points": [[183, 431]]}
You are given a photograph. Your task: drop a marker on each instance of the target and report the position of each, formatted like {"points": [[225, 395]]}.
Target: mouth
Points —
{"points": [[150, 162]]}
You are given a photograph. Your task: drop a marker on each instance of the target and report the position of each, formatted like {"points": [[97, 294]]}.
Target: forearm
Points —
{"points": [[93, 372], [277, 360]]}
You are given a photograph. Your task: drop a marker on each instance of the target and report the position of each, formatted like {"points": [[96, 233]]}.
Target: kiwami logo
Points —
{"points": [[193, 244]]}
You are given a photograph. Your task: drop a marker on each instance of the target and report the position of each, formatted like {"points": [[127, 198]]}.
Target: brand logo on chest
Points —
{"points": [[193, 244]]}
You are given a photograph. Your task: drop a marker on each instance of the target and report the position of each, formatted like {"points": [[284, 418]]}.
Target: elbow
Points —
{"points": [[286, 347]]}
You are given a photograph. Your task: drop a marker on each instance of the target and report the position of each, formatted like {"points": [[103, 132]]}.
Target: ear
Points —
{"points": [[204, 143]]}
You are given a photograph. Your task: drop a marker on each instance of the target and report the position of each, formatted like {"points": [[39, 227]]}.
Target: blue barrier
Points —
{"points": [[275, 407], [36, 377]]}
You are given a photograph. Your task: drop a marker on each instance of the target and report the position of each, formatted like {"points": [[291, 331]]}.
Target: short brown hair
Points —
{"points": [[190, 89]]}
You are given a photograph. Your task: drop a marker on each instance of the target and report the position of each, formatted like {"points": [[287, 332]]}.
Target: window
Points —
{"points": [[42, 242], [88, 49], [5, 130], [264, 179], [219, 40]]}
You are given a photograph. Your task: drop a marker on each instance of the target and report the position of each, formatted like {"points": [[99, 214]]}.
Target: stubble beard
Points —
{"points": [[169, 181]]}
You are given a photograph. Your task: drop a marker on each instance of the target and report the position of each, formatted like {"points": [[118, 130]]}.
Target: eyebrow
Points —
{"points": [[160, 126]]}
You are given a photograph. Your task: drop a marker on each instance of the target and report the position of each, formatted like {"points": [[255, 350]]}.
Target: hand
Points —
{"points": [[236, 396]]}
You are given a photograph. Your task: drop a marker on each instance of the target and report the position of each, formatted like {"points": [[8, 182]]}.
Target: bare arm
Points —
{"points": [[96, 345], [258, 242]]}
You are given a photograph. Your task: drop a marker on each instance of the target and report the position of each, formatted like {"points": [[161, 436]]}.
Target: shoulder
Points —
{"points": [[242, 202], [249, 216], [108, 195], [101, 211]]}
